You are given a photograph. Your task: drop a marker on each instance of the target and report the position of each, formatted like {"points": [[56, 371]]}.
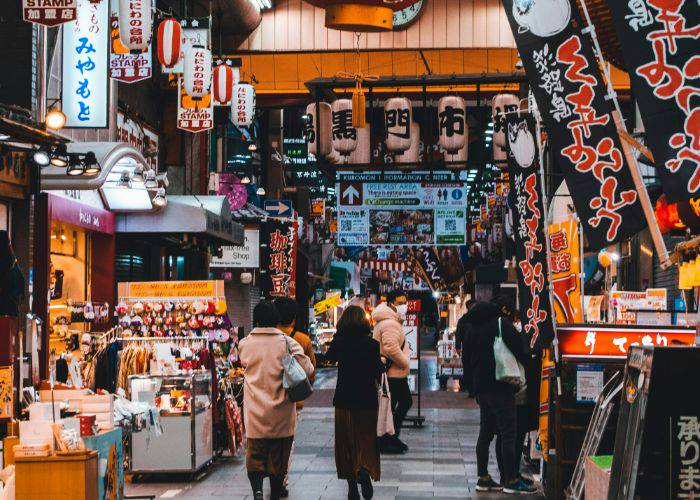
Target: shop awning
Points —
{"points": [[204, 215]]}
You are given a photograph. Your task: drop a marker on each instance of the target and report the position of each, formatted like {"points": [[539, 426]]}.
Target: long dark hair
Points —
{"points": [[353, 322]]}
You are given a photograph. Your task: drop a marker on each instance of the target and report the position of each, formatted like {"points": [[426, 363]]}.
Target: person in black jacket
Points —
{"points": [[355, 401], [463, 338], [11, 278], [496, 399]]}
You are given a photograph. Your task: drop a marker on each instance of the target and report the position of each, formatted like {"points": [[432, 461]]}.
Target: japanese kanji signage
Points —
{"points": [[659, 41], [279, 257], [570, 94], [526, 201], [565, 266], [427, 266], [194, 115], [49, 12], [123, 65], [84, 81]]}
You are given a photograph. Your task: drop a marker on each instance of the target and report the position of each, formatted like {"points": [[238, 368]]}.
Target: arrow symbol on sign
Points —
{"points": [[351, 193], [279, 207]]}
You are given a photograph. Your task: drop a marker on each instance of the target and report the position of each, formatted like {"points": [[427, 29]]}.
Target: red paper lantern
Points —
{"points": [[169, 42], [224, 80]]}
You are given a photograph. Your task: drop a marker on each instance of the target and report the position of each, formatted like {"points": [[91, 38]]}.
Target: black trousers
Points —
{"points": [[498, 416], [401, 401]]}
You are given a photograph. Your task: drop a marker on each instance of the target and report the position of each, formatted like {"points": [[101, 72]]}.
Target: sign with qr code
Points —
{"points": [[402, 213]]}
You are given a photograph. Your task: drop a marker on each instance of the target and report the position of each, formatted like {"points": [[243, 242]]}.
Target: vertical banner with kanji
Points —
{"points": [[427, 266], [565, 265], [660, 42], [526, 202], [278, 243], [570, 93]]}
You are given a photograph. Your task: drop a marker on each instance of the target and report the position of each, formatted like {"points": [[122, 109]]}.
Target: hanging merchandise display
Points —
{"points": [[278, 243], [49, 13], [197, 71], [412, 154], [126, 65], [527, 203], [194, 115], [571, 96], [319, 145], [243, 105], [135, 24], [659, 45], [397, 121], [344, 134], [224, 81], [500, 106], [169, 42], [452, 123]]}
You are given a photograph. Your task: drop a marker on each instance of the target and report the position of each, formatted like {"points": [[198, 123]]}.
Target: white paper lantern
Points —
{"points": [[135, 24], [452, 123], [363, 151], [319, 146], [344, 134], [411, 154], [334, 157], [500, 104], [243, 105], [197, 71], [397, 121]]}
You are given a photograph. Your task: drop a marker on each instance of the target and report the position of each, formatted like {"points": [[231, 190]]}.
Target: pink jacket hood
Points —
{"points": [[384, 311], [388, 331]]}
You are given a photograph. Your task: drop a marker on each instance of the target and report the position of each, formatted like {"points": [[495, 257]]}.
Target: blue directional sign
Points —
{"points": [[279, 208]]}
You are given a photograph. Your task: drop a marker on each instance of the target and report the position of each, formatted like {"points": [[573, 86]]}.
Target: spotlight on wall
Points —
{"points": [[124, 181], [252, 147], [150, 179], [41, 158], [137, 176], [75, 167], [55, 119], [92, 166], [59, 156], [159, 200]]}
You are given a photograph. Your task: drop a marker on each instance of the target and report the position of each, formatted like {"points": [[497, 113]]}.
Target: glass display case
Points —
{"points": [[185, 404]]}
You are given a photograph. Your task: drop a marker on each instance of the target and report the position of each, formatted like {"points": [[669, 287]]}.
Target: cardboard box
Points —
{"points": [[597, 474]]}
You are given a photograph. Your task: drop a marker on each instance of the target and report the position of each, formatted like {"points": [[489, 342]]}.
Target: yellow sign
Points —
{"points": [[326, 304], [175, 289], [565, 264]]}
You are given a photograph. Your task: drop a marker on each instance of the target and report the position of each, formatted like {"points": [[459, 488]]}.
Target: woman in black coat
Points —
{"points": [[355, 401]]}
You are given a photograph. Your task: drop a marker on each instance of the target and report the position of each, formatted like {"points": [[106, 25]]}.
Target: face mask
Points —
{"points": [[402, 309], [518, 326]]}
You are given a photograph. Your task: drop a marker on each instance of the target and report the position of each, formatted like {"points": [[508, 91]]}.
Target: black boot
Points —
{"points": [[353, 494], [366, 484]]}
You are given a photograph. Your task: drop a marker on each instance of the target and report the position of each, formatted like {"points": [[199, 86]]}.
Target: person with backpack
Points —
{"points": [[496, 398], [269, 411]]}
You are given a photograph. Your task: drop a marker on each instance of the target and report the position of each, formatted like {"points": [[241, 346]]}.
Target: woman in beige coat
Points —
{"points": [[269, 415]]}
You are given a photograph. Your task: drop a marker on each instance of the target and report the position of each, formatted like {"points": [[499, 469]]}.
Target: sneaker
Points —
{"points": [[488, 485], [527, 480], [400, 444], [284, 492], [519, 488]]}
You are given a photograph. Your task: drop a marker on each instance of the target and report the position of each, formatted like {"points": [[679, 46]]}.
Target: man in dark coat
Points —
{"points": [[463, 335]]}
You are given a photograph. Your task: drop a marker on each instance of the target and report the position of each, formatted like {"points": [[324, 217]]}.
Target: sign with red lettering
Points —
{"points": [[194, 115], [526, 202], [124, 65], [49, 12], [659, 40], [278, 260], [571, 96], [592, 341]]}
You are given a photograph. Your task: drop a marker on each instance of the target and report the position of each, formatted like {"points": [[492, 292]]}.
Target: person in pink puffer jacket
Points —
{"points": [[388, 331]]}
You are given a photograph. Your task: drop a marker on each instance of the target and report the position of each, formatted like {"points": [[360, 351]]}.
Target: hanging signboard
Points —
{"points": [[327, 304], [123, 65], [571, 97], [84, 81], [49, 13], [138, 135], [526, 201], [659, 42], [401, 213], [565, 266], [279, 256], [161, 289], [427, 266], [195, 31], [245, 256], [194, 115]]}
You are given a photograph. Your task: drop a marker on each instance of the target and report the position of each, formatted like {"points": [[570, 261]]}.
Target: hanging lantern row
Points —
{"points": [[501, 104], [197, 71], [224, 81], [243, 105]]}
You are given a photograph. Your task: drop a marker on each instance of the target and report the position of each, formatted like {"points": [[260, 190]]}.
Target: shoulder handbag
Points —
{"points": [[508, 369], [294, 379], [385, 417]]}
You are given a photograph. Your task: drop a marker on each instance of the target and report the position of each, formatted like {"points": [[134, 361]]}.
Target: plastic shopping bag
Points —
{"points": [[385, 420], [294, 379], [508, 369]]}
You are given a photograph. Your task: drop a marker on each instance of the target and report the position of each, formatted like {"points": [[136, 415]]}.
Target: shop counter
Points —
{"points": [[72, 477]]}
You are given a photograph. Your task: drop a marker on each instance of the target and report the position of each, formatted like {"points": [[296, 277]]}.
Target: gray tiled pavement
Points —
{"points": [[440, 464]]}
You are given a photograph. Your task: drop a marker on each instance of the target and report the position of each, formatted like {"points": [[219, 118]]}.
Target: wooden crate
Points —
{"points": [[57, 477]]}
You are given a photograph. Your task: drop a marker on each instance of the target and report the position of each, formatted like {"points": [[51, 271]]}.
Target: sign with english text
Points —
{"points": [[123, 65], [49, 12], [194, 115], [244, 256], [571, 96]]}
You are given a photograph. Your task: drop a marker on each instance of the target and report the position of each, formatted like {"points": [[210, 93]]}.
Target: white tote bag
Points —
{"points": [[385, 419], [508, 369]]}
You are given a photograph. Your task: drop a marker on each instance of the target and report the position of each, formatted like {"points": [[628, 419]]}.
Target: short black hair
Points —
{"points": [[265, 315], [287, 309], [505, 305], [392, 295]]}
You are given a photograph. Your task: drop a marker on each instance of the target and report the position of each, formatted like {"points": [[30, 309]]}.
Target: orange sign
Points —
{"points": [[565, 264], [174, 289]]}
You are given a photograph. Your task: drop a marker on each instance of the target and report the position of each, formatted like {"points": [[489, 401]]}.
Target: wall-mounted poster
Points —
{"points": [[6, 392]]}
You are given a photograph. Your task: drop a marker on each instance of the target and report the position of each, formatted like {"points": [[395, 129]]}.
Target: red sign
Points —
{"points": [[414, 306], [593, 341], [81, 215], [49, 12], [123, 65]]}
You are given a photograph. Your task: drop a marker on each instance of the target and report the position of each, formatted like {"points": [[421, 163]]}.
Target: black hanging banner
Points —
{"points": [[660, 45], [527, 205], [278, 243], [570, 94], [428, 266]]}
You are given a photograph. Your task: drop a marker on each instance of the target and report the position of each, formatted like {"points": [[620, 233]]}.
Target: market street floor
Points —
{"points": [[441, 462]]}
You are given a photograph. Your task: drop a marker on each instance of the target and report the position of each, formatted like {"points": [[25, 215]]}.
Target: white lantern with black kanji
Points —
{"points": [[459, 156], [243, 105], [169, 42], [197, 71], [224, 80], [411, 155], [363, 151], [397, 121], [452, 123], [319, 135], [135, 24], [501, 105], [344, 134]]}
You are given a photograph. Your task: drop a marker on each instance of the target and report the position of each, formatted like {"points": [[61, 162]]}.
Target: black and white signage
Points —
{"points": [[245, 256]]}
